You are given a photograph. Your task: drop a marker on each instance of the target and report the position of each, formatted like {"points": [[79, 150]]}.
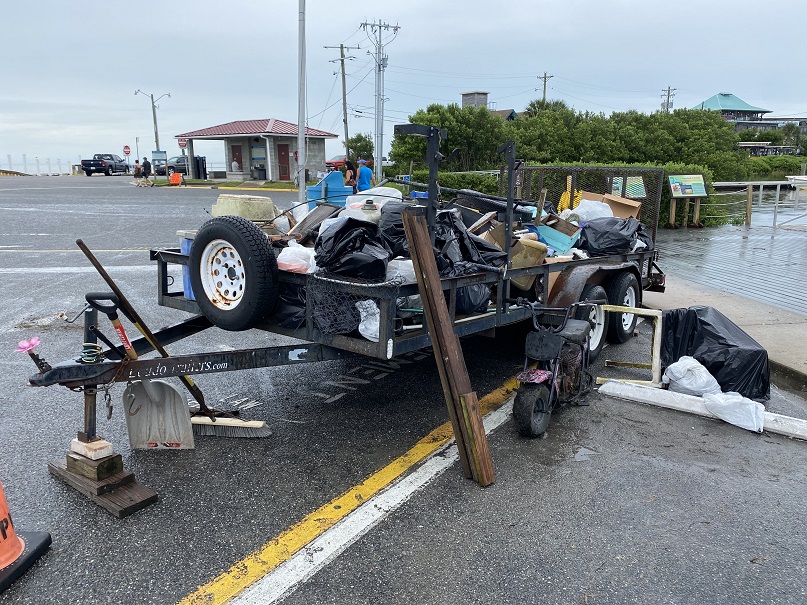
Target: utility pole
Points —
{"points": [[301, 159], [668, 94], [545, 78], [341, 59], [377, 30], [154, 112]]}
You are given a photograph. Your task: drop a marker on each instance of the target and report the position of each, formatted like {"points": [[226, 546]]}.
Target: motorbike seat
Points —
{"points": [[576, 331]]}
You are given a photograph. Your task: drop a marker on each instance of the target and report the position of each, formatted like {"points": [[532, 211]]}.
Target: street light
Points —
{"points": [[154, 112]]}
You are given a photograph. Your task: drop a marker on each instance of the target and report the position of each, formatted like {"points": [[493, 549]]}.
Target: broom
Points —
{"points": [[205, 421]]}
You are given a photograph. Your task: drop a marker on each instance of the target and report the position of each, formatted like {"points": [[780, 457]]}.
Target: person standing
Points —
{"points": [[147, 173], [366, 179], [350, 175]]}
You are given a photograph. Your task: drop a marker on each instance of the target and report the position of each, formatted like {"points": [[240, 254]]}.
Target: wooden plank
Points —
{"points": [[461, 401], [126, 497], [97, 470], [773, 423], [87, 486]]}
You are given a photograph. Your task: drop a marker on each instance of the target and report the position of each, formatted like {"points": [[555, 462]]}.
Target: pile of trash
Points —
{"points": [[363, 244], [706, 355]]}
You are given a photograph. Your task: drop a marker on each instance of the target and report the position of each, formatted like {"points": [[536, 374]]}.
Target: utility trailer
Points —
{"points": [[619, 278]]}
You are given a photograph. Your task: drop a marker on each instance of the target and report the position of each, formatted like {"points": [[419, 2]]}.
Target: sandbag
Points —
{"points": [[737, 361]]}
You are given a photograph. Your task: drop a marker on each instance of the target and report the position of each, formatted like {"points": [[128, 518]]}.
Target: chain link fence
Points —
{"points": [[563, 184]]}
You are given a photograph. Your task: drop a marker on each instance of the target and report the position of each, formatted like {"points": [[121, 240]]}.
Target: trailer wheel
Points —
{"points": [[623, 290], [597, 339], [531, 409], [233, 273]]}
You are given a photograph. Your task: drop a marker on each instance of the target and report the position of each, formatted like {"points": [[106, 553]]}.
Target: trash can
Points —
{"points": [[200, 167], [261, 174]]}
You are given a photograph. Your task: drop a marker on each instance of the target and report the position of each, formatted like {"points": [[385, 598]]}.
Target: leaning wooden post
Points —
{"points": [[461, 401], [749, 202]]}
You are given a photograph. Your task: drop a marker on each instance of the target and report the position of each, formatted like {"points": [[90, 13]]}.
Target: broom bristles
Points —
{"points": [[229, 427]]}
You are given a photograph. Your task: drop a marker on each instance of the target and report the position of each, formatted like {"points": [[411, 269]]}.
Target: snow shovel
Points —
{"points": [[157, 415]]}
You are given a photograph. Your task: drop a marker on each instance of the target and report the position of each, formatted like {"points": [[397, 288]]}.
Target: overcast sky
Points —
{"points": [[69, 69]]}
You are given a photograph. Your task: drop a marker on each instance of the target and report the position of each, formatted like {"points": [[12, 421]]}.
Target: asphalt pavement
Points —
{"points": [[619, 502]]}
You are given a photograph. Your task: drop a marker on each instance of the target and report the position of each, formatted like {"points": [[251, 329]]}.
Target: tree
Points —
{"points": [[361, 146], [537, 105], [475, 131]]}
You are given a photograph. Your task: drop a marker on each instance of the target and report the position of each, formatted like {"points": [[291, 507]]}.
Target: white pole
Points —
{"points": [[37, 167], [10, 167], [59, 164], [301, 197], [24, 164], [50, 172]]}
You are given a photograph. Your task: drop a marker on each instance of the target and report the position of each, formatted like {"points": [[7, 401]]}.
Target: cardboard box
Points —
{"points": [[622, 207], [554, 276], [558, 233]]}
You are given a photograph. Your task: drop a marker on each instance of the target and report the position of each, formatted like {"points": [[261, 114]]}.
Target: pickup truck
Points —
{"points": [[107, 163]]}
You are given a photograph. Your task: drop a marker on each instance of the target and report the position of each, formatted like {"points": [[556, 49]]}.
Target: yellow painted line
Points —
{"points": [[249, 570]]}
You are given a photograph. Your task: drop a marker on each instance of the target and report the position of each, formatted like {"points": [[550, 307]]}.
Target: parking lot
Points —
{"points": [[619, 503]]}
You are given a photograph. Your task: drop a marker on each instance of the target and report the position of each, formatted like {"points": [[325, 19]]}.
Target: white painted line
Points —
{"points": [[110, 268], [288, 576]]}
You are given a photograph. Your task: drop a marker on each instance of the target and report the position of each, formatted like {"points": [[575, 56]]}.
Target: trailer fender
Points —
{"points": [[571, 281]]}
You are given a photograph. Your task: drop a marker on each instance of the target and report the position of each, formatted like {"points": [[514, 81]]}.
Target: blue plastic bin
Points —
{"points": [[331, 189], [185, 248], [416, 195]]}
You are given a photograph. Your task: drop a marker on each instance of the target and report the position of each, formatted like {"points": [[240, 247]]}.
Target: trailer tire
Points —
{"points": [[531, 409], [593, 292], [233, 273], [623, 290]]}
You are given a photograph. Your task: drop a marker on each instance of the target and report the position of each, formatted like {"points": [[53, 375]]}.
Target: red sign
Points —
{"points": [[126, 150], [182, 143]]}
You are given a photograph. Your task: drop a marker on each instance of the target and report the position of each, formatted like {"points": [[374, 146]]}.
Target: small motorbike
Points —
{"points": [[559, 350]]}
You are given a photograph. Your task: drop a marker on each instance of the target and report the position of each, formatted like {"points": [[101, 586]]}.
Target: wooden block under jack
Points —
{"points": [[118, 493], [97, 470]]}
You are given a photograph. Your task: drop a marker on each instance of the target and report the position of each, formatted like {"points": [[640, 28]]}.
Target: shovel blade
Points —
{"points": [[157, 416]]}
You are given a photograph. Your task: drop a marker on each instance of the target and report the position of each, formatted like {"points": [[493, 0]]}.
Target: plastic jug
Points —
{"points": [[367, 211]]}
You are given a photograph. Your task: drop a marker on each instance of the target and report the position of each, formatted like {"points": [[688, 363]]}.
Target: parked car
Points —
{"points": [[158, 166], [105, 163], [178, 164]]}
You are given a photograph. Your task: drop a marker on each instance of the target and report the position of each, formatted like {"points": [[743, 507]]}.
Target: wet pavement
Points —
{"points": [[619, 503]]}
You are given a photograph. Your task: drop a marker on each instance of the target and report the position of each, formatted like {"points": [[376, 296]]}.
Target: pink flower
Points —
{"points": [[27, 345]]}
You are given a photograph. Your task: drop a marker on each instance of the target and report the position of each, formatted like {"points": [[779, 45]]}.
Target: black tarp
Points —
{"points": [[737, 361]]}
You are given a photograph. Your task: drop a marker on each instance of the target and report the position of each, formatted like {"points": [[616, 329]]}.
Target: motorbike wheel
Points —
{"points": [[532, 409], [233, 273]]}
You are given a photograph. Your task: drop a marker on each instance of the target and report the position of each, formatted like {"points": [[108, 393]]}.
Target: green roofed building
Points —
{"points": [[738, 111]]}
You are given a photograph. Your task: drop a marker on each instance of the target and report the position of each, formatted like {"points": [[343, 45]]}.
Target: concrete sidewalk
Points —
{"points": [[738, 274]]}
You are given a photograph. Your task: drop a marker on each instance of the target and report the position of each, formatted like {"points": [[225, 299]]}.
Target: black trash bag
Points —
{"points": [[452, 242], [392, 229], [491, 254], [470, 299], [612, 235], [290, 310], [737, 361], [353, 248]]}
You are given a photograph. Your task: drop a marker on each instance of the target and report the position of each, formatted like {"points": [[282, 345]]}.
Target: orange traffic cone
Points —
{"points": [[17, 553]]}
